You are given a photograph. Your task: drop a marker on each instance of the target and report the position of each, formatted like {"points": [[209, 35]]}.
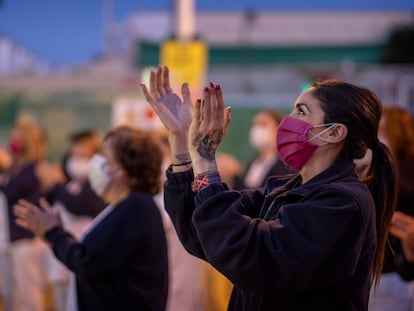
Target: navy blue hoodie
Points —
{"points": [[287, 246], [121, 264]]}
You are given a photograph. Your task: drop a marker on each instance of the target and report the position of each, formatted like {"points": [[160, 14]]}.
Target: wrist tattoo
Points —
{"points": [[207, 144], [183, 157]]}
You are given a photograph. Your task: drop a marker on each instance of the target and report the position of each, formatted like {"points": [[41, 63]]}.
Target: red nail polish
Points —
{"points": [[218, 88], [206, 89], [212, 84], [199, 101]]}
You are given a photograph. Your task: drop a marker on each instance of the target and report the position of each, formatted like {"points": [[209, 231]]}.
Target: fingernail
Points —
{"points": [[212, 84], [199, 101], [218, 88], [206, 89]]}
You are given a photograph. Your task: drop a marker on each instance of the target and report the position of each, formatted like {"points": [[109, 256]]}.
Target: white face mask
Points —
{"points": [[261, 137], [98, 174], [77, 168]]}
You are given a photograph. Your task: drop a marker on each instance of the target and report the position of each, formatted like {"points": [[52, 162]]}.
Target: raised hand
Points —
{"points": [[208, 128], [36, 219], [402, 227], [174, 113]]}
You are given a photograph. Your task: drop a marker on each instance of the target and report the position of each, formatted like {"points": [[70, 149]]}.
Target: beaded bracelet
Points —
{"points": [[205, 179]]}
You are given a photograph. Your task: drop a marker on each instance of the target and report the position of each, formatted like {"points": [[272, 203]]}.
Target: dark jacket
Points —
{"points": [[23, 184], [287, 247], [279, 168], [84, 203], [121, 264]]}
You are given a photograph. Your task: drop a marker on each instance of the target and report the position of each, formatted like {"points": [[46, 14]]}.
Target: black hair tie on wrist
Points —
{"points": [[181, 164]]}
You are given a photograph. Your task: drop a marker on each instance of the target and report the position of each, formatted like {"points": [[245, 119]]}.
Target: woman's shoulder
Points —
{"points": [[138, 202], [352, 196]]}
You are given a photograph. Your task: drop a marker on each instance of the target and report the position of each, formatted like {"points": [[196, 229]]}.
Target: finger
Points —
{"points": [[28, 205], [166, 80], [20, 211], [205, 109], [227, 119], [220, 105], [45, 205], [153, 85], [147, 95], [160, 82], [22, 223], [398, 233], [402, 220], [185, 91], [402, 216], [196, 113], [160, 110], [213, 108]]}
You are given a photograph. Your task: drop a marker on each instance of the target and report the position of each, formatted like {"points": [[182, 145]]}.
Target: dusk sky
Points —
{"points": [[68, 32]]}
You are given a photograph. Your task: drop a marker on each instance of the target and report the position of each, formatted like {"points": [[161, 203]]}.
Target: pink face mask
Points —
{"points": [[293, 144], [16, 147]]}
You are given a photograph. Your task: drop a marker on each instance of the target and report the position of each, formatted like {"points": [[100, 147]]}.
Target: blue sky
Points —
{"points": [[68, 32]]}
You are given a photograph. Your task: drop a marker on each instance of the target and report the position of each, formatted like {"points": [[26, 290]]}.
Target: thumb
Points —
{"points": [[45, 205], [185, 91], [227, 119]]}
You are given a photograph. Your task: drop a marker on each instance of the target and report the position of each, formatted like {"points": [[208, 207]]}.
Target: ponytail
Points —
{"points": [[360, 110], [382, 181]]}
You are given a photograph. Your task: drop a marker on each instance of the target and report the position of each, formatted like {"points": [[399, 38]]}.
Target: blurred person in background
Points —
{"points": [[76, 203], [266, 163], [186, 286], [402, 228], [23, 180], [5, 264], [120, 262], [396, 130]]}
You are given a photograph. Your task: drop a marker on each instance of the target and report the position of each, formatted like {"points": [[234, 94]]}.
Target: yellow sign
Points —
{"points": [[187, 62]]}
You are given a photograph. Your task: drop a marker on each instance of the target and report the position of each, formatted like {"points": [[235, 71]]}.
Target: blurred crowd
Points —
{"points": [[34, 277]]}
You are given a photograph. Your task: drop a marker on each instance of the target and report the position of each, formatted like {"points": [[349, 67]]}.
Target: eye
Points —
{"points": [[300, 111]]}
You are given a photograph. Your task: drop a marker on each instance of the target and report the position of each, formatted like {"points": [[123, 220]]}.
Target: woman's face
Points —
{"points": [[114, 168], [265, 120], [308, 109]]}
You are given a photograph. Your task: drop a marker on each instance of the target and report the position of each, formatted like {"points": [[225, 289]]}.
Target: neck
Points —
{"points": [[267, 153], [115, 195], [323, 158]]}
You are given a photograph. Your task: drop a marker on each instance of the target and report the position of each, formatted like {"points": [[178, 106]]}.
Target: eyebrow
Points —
{"points": [[298, 105]]}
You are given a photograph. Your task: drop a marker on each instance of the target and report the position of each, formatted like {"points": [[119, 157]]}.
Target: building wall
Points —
{"points": [[14, 59]]}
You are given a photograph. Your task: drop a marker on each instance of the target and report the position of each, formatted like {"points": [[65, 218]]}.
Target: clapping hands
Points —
{"points": [[195, 128]]}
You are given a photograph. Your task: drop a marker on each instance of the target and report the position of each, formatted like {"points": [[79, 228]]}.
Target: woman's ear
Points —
{"points": [[338, 133]]}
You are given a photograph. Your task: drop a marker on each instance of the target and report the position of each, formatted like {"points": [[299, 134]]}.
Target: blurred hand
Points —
{"points": [[228, 166], [39, 220], [49, 174], [5, 160], [208, 127], [402, 227]]}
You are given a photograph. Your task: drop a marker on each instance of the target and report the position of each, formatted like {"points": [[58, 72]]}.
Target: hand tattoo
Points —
{"points": [[207, 144]]}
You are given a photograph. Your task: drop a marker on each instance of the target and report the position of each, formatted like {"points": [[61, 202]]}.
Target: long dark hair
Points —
{"points": [[360, 110]]}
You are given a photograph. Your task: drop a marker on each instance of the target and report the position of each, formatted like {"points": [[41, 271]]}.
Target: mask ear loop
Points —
{"points": [[314, 136]]}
